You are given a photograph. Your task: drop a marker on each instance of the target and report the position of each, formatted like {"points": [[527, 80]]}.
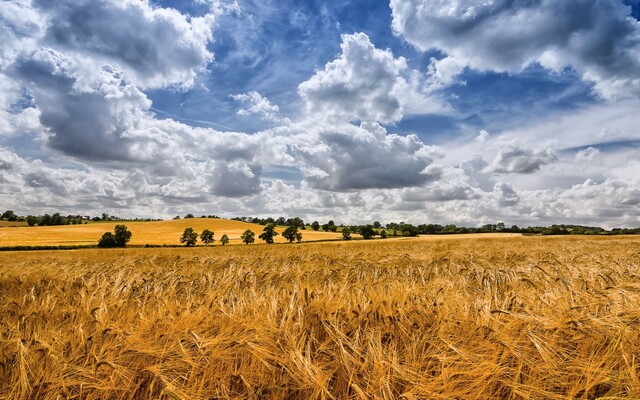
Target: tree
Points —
{"points": [[207, 237], [224, 240], [268, 233], [383, 234], [367, 232], [31, 220], [315, 225], [290, 233], [298, 237], [45, 220], [188, 216], [9, 215], [107, 240], [119, 238], [121, 235], [377, 225], [346, 233], [248, 237], [189, 237]]}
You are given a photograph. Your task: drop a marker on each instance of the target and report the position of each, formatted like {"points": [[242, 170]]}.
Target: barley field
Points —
{"points": [[455, 318]]}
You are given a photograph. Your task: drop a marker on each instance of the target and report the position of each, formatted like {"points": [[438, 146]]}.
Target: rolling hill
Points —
{"points": [[153, 233]]}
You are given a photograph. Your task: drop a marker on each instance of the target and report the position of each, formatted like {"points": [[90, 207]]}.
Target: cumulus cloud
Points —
{"points": [[236, 179], [365, 83], [506, 196], [154, 46], [587, 155], [599, 39], [520, 161], [347, 157], [84, 67], [259, 105]]}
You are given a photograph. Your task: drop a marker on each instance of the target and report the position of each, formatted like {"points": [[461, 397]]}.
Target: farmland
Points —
{"points": [[155, 232], [451, 318]]}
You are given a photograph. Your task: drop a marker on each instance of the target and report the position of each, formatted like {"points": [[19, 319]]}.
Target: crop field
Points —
{"points": [[5, 224], [155, 232], [454, 318]]}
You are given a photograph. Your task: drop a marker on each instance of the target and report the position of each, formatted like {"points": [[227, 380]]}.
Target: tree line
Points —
{"points": [[367, 231], [59, 219]]}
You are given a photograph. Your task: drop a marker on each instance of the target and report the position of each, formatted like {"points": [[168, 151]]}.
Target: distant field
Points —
{"points": [[156, 232], [444, 318], [5, 224]]}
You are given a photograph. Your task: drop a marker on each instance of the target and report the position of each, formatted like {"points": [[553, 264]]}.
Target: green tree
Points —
{"points": [[189, 237], [298, 236], [31, 220], [207, 237], [121, 235], [268, 233], [119, 238], [107, 240], [248, 237], [224, 239], [290, 233], [346, 233], [315, 225], [367, 232], [383, 234], [9, 215]]}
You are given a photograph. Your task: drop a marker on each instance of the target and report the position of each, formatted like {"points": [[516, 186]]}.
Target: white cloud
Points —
{"points": [[259, 105], [599, 39], [588, 155], [506, 196], [154, 47], [344, 157], [520, 161], [366, 83], [86, 99]]}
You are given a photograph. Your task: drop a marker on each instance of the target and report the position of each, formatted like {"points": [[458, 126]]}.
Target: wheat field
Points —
{"points": [[153, 232], [461, 318]]}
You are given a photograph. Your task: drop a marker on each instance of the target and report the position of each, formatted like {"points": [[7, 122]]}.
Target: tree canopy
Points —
{"points": [[268, 233], [248, 237], [119, 238], [189, 237], [207, 237]]}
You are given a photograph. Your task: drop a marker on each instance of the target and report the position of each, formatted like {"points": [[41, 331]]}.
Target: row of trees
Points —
{"points": [[390, 229], [59, 219], [291, 233], [190, 237]]}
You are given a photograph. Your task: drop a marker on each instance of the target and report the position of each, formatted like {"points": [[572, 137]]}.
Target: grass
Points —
{"points": [[153, 232], [457, 318]]}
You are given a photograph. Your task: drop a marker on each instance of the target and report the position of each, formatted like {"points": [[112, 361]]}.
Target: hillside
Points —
{"points": [[156, 232]]}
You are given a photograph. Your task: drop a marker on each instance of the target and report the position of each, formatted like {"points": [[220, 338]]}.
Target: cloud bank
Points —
{"points": [[79, 131]]}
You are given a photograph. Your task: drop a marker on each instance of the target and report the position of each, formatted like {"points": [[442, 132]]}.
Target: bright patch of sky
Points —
{"points": [[416, 110]]}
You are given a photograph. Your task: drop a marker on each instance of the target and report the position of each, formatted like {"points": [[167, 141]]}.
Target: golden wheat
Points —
{"points": [[511, 318], [154, 232]]}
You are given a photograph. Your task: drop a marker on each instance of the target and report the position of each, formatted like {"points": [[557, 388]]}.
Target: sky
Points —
{"points": [[425, 111]]}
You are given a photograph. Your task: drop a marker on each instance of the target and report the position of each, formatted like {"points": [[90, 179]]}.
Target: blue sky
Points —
{"points": [[407, 110]]}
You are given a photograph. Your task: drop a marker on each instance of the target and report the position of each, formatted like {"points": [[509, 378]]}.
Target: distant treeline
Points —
{"points": [[376, 228], [59, 219], [406, 229]]}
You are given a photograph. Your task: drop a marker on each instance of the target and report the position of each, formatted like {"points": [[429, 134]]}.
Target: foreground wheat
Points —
{"points": [[525, 318]]}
